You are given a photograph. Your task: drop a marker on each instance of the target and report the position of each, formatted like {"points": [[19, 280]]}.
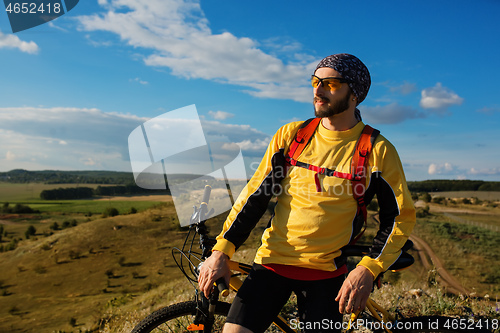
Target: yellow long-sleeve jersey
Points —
{"points": [[309, 227]]}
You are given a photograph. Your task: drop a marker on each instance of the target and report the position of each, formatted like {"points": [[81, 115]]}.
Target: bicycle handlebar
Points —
{"points": [[222, 286], [203, 211], [206, 195]]}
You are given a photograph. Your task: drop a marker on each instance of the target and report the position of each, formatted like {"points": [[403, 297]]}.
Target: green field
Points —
{"points": [[13, 192], [29, 194], [90, 206]]}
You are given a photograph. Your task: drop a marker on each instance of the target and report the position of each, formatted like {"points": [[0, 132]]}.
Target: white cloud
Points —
{"points": [[139, 81], [389, 114], [67, 125], [439, 169], [489, 110], [257, 145], [220, 115], [405, 88], [485, 172], [434, 100], [89, 161], [64, 138], [178, 33], [10, 156], [13, 42], [439, 98], [251, 141], [447, 169], [78, 138]]}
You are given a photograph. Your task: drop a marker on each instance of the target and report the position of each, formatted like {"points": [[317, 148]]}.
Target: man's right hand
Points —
{"points": [[215, 267]]}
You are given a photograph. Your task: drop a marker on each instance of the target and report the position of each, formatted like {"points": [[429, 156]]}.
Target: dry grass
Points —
{"points": [[77, 272], [107, 274]]}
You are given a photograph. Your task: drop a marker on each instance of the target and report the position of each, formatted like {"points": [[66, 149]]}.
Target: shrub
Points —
{"points": [[40, 269], [439, 200], [373, 205], [110, 212], [17, 209], [423, 212], [31, 231], [426, 197], [110, 274], [74, 255], [121, 261], [11, 246], [14, 310]]}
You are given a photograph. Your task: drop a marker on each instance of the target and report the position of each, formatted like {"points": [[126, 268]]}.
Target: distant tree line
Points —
{"points": [[18, 208], [453, 185], [66, 177], [72, 193], [69, 193], [123, 178]]}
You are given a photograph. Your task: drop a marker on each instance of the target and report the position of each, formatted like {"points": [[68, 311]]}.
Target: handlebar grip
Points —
{"points": [[206, 194], [222, 286]]}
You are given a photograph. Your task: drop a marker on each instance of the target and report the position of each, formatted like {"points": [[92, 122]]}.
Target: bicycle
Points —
{"points": [[208, 315]]}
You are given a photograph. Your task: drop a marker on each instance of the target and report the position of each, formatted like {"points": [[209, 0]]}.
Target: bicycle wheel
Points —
{"points": [[177, 317], [438, 324]]}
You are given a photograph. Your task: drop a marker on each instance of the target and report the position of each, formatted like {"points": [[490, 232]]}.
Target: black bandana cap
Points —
{"points": [[351, 68]]}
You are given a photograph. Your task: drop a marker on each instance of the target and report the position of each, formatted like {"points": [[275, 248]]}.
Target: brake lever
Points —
{"points": [[194, 216], [209, 214]]}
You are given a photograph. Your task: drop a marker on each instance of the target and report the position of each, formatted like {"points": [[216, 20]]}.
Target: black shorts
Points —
{"points": [[263, 294]]}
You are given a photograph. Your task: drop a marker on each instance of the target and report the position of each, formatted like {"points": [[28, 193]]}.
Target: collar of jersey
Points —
{"points": [[354, 132]]}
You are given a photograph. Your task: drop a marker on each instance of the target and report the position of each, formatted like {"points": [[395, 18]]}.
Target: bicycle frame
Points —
{"points": [[374, 308]]}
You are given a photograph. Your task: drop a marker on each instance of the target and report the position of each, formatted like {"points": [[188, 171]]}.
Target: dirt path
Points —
{"points": [[425, 253], [437, 208], [5, 222], [163, 198]]}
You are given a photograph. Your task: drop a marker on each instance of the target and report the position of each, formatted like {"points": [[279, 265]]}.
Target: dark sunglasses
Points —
{"points": [[330, 83]]}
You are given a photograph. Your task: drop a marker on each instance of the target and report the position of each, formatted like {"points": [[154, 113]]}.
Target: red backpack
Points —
{"points": [[359, 165]]}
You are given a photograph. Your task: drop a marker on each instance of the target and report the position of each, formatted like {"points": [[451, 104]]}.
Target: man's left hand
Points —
{"points": [[355, 290]]}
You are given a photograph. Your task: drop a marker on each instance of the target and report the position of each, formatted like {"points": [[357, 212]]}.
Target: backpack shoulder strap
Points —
{"points": [[359, 166], [281, 162], [363, 150], [302, 138]]}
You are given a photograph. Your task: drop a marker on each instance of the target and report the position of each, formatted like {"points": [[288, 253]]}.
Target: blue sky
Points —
{"points": [[72, 90]]}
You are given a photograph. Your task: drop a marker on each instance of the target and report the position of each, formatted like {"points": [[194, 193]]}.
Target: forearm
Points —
{"points": [[397, 219]]}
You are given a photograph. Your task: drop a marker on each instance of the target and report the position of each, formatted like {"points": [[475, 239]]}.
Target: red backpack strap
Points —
{"points": [[302, 138], [359, 166], [281, 163]]}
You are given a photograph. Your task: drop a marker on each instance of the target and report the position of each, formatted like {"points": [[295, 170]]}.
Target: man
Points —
{"points": [[314, 216]]}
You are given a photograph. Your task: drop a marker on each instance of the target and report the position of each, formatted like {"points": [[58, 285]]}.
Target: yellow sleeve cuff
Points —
{"points": [[225, 247], [374, 266]]}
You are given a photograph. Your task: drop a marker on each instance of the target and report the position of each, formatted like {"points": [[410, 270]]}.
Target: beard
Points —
{"points": [[332, 109]]}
